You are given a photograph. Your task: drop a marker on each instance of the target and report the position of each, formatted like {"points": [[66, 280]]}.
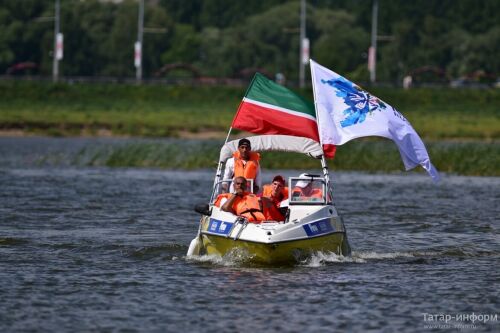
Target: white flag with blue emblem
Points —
{"points": [[346, 112]]}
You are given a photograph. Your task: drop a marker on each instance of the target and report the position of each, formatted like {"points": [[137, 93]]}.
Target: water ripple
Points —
{"points": [[99, 249]]}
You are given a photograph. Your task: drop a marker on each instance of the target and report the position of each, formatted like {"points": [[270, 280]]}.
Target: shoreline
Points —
{"points": [[466, 157], [107, 133], [183, 134]]}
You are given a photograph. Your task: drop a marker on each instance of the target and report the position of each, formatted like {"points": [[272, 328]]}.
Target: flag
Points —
{"points": [[345, 112], [269, 108]]}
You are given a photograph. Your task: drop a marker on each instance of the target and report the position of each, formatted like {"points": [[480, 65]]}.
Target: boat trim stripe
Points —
{"points": [[277, 242]]}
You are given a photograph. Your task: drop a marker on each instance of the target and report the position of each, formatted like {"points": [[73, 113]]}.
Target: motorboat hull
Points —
{"points": [[276, 253], [273, 243]]}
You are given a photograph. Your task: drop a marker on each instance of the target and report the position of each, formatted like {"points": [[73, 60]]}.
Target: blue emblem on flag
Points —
{"points": [[359, 102], [318, 227]]}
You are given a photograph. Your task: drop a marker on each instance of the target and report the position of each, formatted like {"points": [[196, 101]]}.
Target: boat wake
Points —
{"points": [[171, 250], [319, 259], [236, 257]]}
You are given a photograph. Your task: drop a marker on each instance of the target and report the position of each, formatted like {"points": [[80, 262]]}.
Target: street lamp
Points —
{"points": [[138, 43], [372, 51], [303, 44], [58, 44]]}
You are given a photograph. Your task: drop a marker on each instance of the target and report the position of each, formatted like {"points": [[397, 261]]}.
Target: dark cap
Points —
{"points": [[279, 178], [243, 142]]}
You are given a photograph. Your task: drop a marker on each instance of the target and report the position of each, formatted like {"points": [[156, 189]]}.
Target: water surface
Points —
{"points": [[103, 249]]}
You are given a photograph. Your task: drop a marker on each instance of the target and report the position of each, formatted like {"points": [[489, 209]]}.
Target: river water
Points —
{"points": [[103, 249]]}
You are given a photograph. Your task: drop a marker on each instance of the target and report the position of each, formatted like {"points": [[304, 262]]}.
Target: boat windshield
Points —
{"points": [[308, 190]]}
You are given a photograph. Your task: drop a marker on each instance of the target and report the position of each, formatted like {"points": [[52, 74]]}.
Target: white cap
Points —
{"points": [[303, 183]]}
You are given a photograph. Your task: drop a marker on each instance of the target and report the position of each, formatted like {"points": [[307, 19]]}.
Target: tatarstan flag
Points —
{"points": [[269, 108]]}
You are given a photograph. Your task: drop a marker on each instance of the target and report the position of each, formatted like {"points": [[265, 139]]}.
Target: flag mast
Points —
{"points": [[219, 166], [324, 165]]}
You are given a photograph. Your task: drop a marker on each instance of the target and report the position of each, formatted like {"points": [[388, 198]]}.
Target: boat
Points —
{"points": [[311, 224], [284, 121]]}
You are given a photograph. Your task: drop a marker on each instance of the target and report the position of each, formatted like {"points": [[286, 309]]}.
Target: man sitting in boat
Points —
{"points": [[244, 163], [255, 209], [306, 190], [276, 191]]}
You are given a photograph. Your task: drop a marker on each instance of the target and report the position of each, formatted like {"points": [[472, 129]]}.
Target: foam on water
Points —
{"points": [[378, 256], [319, 259], [236, 257]]}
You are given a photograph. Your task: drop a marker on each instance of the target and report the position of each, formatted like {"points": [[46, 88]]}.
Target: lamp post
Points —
{"points": [[138, 43], [372, 52], [303, 44], [57, 53]]}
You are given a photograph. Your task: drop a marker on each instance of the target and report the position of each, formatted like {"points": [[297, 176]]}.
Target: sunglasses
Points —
{"points": [[278, 184], [239, 183]]}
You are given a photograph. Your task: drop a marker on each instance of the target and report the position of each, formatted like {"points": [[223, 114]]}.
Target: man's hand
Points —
{"points": [[239, 191]]}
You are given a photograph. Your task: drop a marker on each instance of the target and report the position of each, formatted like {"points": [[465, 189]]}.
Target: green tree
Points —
{"points": [[184, 45], [260, 41], [474, 52], [157, 38], [21, 31], [341, 45]]}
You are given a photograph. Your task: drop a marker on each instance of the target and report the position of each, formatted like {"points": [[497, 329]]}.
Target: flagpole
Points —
{"points": [[219, 167], [324, 165], [315, 107], [228, 133], [221, 164]]}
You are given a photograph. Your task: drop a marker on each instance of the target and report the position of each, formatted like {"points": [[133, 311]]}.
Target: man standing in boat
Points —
{"points": [[244, 163]]}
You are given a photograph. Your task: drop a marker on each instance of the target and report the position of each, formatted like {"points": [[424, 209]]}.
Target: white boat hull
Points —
{"points": [[309, 229]]}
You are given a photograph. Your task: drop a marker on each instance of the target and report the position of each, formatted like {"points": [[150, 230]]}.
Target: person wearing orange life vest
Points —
{"points": [[244, 163], [276, 191], [304, 190], [248, 205]]}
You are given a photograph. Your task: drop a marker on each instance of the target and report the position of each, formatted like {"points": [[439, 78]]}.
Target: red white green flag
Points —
{"points": [[269, 108]]}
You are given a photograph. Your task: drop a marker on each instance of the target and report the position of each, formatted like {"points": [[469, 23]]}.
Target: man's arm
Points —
{"points": [[228, 205], [258, 181], [228, 173], [229, 170]]}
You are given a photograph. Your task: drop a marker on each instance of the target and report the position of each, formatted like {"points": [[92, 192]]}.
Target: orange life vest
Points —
{"points": [[248, 169], [221, 196], [250, 207], [271, 212], [315, 193], [268, 190]]}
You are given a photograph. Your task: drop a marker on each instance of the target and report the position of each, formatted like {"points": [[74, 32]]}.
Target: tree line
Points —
{"points": [[228, 38]]}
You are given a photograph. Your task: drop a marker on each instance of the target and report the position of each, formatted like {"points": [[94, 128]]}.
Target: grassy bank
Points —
{"points": [[460, 127], [472, 158], [150, 111], [159, 111]]}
